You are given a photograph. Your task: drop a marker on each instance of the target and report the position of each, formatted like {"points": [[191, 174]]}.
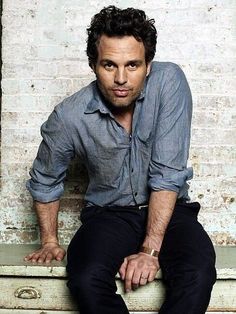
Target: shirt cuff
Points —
{"points": [[43, 193], [170, 180]]}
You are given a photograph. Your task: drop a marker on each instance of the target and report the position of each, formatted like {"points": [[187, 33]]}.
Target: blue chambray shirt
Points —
{"points": [[122, 168]]}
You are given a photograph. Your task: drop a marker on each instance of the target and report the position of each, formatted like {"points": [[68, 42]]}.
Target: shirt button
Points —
{"points": [[132, 170], [135, 194]]}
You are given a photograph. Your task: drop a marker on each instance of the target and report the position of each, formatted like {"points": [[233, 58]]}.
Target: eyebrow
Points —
{"points": [[136, 61]]}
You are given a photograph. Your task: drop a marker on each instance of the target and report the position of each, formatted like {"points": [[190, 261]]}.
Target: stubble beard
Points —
{"points": [[114, 103]]}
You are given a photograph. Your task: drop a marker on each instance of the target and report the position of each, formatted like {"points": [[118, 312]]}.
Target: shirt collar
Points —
{"points": [[96, 103]]}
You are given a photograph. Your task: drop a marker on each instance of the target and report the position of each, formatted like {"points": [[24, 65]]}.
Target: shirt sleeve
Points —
{"points": [[49, 168], [168, 166]]}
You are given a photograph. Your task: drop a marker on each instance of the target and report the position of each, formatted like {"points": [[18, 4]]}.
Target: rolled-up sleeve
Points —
{"points": [[168, 166], [49, 167]]}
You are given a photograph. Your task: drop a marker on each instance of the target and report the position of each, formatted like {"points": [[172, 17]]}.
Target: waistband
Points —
{"points": [[134, 207]]}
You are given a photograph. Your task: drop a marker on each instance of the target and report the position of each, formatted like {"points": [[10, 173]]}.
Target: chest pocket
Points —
{"points": [[105, 167]]}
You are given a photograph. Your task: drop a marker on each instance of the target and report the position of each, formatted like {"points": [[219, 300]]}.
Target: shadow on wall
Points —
{"points": [[76, 181]]}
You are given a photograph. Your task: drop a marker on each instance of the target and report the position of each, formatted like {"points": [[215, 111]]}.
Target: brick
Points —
{"points": [[26, 70], [47, 69], [37, 86], [213, 169], [18, 137], [19, 103], [11, 157], [13, 187], [45, 52], [215, 119], [214, 102], [194, 16], [25, 221], [213, 3], [18, 4], [73, 69], [73, 17], [75, 52], [22, 203], [52, 35], [18, 36], [80, 83], [213, 86], [199, 154], [15, 53], [212, 137], [19, 236], [11, 120]]}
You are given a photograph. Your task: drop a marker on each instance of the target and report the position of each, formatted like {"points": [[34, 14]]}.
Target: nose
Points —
{"points": [[120, 76]]}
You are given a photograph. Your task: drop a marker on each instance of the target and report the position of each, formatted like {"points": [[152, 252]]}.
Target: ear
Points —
{"points": [[92, 66], [148, 68]]}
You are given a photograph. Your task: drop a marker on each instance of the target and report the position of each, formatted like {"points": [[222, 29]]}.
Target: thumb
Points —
{"points": [[122, 269]]}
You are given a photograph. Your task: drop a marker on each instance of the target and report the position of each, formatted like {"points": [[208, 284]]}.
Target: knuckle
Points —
{"points": [[151, 278], [135, 281], [132, 263], [143, 283]]}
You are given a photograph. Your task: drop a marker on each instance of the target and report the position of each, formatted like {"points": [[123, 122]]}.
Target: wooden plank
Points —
{"points": [[50, 281], [12, 263], [150, 297], [16, 311], [226, 262], [52, 294]]}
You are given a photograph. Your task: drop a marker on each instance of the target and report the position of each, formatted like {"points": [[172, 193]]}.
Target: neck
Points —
{"points": [[124, 116], [122, 111]]}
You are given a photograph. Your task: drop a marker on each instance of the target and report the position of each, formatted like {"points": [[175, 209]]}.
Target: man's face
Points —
{"points": [[121, 69]]}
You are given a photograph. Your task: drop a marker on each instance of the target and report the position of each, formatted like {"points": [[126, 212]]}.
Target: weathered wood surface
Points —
{"points": [[15, 311], [12, 263], [52, 294], [34, 287]]}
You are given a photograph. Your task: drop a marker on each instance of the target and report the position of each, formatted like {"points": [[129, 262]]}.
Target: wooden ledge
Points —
{"points": [[48, 284], [12, 262]]}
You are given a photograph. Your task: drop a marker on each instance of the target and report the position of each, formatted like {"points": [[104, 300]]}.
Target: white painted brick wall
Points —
{"points": [[44, 60]]}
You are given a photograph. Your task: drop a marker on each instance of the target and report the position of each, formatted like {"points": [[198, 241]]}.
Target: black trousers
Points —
{"points": [[108, 235]]}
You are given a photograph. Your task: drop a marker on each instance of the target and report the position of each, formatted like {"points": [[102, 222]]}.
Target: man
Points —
{"points": [[131, 128]]}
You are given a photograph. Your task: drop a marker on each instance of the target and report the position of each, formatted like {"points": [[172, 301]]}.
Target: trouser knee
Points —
{"points": [[80, 283], [205, 278], [90, 283]]}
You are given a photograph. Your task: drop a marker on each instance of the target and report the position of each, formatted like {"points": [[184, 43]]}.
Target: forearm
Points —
{"points": [[50, 249], [138, 269], [161, 206], [47, 214]]}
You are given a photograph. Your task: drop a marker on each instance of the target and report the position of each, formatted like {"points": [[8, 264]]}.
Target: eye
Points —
{"points": [[132, 66], [109, 66]]}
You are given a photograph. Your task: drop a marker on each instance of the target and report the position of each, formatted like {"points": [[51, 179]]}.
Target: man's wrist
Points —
{"points": [[48, 240], [149, 251]]}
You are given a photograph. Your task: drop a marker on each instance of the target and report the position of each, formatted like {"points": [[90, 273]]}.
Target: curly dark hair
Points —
{"points": [[112, 21]]}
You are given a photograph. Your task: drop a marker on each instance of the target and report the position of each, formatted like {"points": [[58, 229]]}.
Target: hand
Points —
{"points": [[138, 269], [48, 252]]}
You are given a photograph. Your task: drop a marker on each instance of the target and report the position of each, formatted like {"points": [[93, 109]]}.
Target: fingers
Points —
{"points": [[129, 284], [28, 257], [140, 270], [60, 255], [144, 278], [122, 269], [46, 254], [151, 276]]}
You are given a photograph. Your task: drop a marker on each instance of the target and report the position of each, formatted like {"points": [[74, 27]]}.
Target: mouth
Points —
{"points": [[120, 92]]}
